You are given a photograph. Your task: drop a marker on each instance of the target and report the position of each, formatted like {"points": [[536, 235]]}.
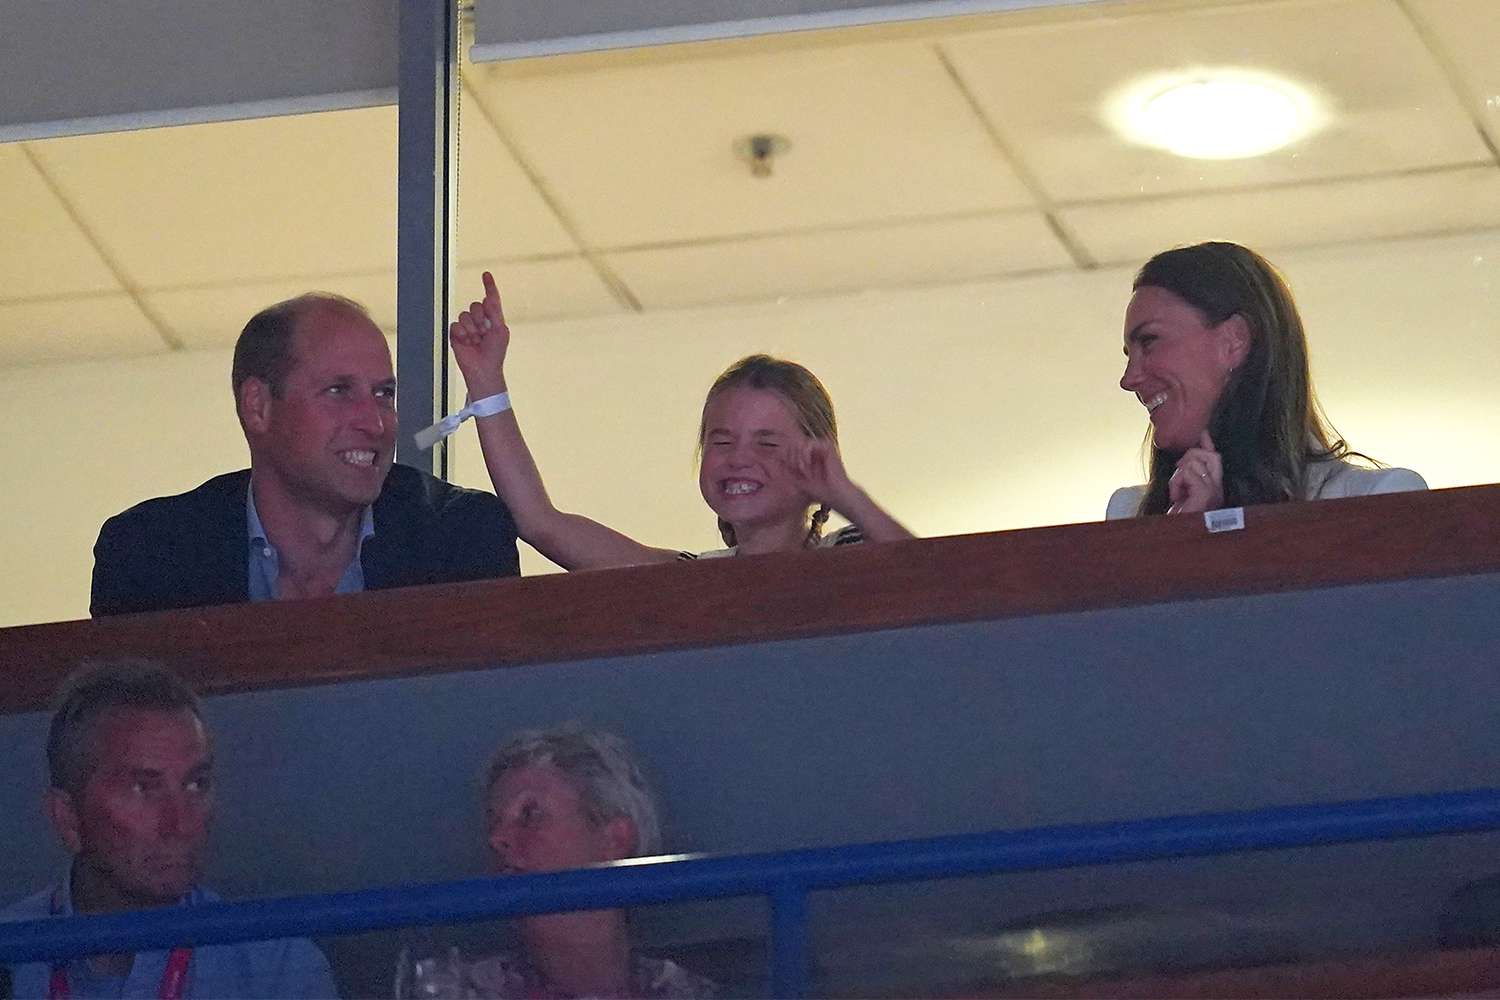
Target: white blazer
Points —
{"points": [[1330, 480]]}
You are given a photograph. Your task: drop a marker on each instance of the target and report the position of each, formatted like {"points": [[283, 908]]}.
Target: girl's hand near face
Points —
{"points": [[818, 470], [1198, 483]]}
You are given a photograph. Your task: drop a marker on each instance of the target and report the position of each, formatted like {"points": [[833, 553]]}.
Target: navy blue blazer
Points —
{"points": [[191, 549]]}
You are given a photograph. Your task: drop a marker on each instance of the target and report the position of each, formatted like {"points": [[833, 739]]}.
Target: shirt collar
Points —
{"points": [[255, 531], [253, 527], [61, 903]]}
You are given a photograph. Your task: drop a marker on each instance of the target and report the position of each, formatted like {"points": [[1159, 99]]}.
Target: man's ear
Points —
{"points": [[1236, 337], [254, 402], [620, 838], [63, 815]]}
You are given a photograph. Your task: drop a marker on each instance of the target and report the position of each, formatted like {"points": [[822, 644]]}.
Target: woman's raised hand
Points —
{"points": [[480, 339], [1198, 483]]}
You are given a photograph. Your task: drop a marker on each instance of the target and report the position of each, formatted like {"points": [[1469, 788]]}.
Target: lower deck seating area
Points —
{"points": [[1088, 674]]}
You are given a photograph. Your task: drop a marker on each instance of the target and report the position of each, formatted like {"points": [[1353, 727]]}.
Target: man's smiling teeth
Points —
{"points": [[739, 487], [357, 457], [1155, 401]]}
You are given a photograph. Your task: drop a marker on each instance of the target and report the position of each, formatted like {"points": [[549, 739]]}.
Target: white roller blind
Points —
{"points": [[101, 65], [516, 29]]}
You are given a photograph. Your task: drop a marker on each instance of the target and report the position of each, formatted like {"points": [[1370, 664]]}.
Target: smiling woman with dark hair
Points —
{"points": [[1217, 355]]}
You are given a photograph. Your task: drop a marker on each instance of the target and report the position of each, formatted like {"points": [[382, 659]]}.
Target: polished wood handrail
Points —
{"points": [[715, 602]]}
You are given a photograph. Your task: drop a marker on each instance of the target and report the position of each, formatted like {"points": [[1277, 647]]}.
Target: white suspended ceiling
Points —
{"points": [[606, 184]]}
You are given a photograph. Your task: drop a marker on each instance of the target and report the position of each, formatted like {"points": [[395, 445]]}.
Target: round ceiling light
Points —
{"points": [[1215, 114]]}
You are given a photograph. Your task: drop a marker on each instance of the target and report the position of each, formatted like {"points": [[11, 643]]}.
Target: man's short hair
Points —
{"points": [[264, 348], [94, 689]]}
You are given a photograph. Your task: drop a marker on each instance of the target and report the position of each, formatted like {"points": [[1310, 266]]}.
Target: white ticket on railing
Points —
{"points": [[1227, 519]]}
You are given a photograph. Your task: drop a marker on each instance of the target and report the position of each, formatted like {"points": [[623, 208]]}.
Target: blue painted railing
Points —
{"points": [[786, 877]]}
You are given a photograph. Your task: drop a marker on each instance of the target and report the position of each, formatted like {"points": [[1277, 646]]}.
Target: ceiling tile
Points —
{"points": [[644, 153], [1467, 34], [947, 250], [537, 290], [500, 212], [213, 316], [45, 253], [1046, 87], [77, 329], [1301, 215], [233, 202]]}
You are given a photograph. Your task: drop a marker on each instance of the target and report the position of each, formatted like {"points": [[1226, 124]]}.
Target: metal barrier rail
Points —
{"points": [[786, 877]]}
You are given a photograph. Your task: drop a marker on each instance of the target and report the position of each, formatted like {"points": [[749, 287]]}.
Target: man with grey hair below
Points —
{"points": [[563, 798], [321, 510], [131, 797]]}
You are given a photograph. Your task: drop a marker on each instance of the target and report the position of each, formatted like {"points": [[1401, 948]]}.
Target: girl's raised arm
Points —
{"points": [[480, 340]]}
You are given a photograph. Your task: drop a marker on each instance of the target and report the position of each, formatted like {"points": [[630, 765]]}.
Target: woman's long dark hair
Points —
{"points": [[1267, 425]]}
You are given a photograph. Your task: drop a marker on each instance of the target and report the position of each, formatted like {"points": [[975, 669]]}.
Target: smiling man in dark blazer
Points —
{"points": [[321, 510]]}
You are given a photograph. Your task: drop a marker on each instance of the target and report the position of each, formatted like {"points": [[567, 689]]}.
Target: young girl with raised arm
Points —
{"points": [[770, 465]]}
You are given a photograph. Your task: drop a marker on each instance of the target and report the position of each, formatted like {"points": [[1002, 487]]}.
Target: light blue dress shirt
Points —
{"points": [[264, 565], [283, 968]]}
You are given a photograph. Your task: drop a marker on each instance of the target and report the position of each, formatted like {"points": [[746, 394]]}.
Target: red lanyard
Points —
{"points": [[173, 977]]}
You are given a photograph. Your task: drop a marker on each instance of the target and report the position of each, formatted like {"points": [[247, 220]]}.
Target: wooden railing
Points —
{"points": [[862, 588]]}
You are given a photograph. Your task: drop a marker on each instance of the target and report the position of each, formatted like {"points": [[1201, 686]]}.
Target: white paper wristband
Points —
{"points": [[486, 407]]}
